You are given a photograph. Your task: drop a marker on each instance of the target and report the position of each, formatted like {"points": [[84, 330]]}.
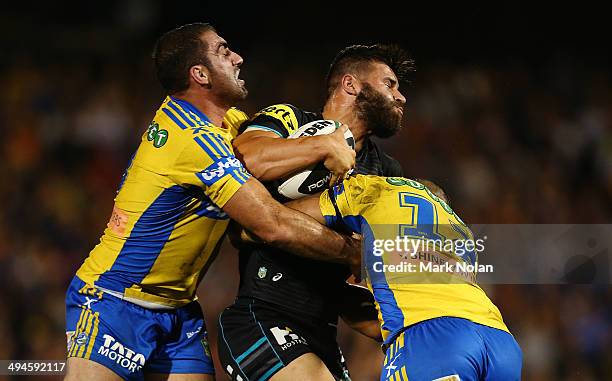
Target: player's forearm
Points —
{"points": [[272, 158], [254, 208], [369, 328], [303, 236], [308, 205]]}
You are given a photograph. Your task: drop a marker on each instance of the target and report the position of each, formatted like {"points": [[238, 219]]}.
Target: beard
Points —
{"points": [[228, 87], [378, 112]]}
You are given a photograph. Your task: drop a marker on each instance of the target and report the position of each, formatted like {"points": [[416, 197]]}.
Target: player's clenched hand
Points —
{"points": [[340, 157]]}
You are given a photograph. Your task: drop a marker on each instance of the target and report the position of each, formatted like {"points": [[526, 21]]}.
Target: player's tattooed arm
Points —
{"points": [[255, 209]]}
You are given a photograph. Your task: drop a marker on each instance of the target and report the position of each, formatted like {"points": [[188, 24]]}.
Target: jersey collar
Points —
{"points": [[188, 106]]}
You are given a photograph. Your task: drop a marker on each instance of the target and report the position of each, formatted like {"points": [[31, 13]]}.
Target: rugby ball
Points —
{"points": [[315, 178]]}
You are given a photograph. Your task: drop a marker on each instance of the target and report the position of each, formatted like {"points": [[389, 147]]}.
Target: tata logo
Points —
{"points": [[218, 169], [120, 354]]}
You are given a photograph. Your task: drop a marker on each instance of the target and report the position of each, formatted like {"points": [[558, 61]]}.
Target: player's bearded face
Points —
{"points": [[380, 113], [227, 83]]}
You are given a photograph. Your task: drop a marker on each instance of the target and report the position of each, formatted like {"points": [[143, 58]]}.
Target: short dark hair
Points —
{"points": [[178, 50], [355, 57], [435, 189]]}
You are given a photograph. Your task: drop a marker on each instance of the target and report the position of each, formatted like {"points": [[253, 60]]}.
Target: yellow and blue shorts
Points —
{"points": [[452, 349], [131, 340]]}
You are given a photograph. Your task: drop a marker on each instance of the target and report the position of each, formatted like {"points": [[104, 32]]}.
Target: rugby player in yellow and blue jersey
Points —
{"points": [[435, 326], [131, 309]]}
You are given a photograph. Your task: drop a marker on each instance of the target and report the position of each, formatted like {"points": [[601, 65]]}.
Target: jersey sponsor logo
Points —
{"points": [[118, 221], [454, 377], [284, 114], [218, 169], [286, 338], [120, 354], [157, 136]]}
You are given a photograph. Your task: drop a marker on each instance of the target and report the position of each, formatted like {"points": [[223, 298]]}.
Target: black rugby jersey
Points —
{"points": [[292, 283]]}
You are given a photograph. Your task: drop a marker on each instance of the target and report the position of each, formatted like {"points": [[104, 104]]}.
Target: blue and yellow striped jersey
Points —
{"points": [[167, 221], [385, 209]]}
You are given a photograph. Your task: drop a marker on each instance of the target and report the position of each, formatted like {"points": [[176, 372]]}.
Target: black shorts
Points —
{"points": [[256, 340]]}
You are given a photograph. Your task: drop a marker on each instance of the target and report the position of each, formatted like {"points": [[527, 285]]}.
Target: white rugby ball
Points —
{"points": [[315, 178]]}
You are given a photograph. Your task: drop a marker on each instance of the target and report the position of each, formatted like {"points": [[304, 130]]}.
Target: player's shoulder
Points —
{"points": [[390, 166], [180, 119], [233, 119], [283, 118], [279, 110]]}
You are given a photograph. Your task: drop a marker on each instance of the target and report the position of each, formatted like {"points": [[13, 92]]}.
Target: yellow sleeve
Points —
{"points": [[208, 162], [336, 203], [344, 204], [233, 120]]}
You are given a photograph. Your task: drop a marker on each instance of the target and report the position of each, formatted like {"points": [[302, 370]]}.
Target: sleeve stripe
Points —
{"points": [[258, 127], [204, 147], [244, 175], [181, 114], [174, 118], [214, 145], [223, 144], [237, 177]]}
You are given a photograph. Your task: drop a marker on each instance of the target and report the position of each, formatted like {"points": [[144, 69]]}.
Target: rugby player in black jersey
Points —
{"points": [[283, 322]]}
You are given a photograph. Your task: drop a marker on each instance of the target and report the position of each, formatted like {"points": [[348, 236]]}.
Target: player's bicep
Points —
{"points": [[252, 140]]}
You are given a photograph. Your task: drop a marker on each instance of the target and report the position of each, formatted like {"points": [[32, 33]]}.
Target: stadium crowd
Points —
{"points": [[508, 142]]}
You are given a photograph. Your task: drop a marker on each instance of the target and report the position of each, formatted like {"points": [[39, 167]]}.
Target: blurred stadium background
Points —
{"points": [[510, 112]]}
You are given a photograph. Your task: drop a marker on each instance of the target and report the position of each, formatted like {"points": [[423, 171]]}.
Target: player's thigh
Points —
{"points": [[307, 367], [78, 369], [179, 377]]}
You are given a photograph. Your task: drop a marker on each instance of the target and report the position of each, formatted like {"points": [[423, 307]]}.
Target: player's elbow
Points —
{"points": [[258, 167], [274, 235], [271, 230]]}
